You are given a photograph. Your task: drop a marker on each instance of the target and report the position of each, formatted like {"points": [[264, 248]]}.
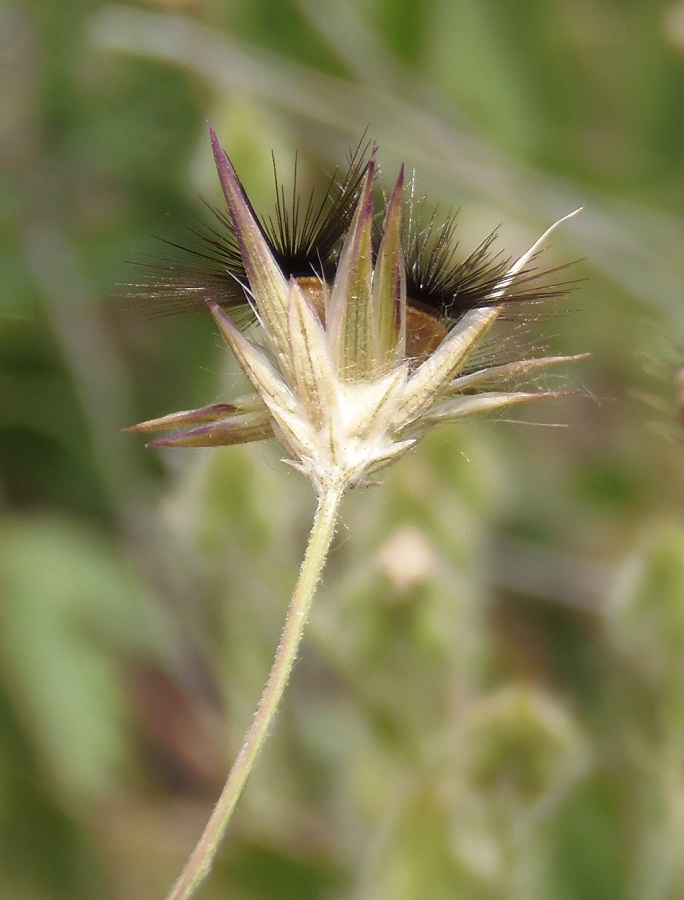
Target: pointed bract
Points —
{"points": [[268, 287], [222, 433], [429, 382], [213, 413], [497, 374], [476, 404], [389, 285], [312, 365], [520, 263], [349, 315], [186, 417]]}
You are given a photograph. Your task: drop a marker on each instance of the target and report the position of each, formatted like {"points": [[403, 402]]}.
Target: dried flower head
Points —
{"points": [[370, 337], [370, 334]]}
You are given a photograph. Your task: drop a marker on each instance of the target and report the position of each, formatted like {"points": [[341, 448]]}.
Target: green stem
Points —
{"points": [[198, 866]]}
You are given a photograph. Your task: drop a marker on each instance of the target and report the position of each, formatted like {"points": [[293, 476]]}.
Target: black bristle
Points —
{"points": [[305, 239], [438, 283], [307, 243], [208, 262]]}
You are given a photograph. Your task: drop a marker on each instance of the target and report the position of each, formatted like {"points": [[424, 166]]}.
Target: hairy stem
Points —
{"points": [[322, 531]]}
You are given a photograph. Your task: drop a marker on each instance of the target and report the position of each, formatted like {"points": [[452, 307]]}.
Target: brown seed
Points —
{"points": [[424, 332]]}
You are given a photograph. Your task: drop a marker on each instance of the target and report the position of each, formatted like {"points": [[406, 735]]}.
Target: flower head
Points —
{"points": [[369, 335]]}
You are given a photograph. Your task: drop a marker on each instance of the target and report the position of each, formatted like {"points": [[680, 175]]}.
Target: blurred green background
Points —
{"points": [[490, 700]]}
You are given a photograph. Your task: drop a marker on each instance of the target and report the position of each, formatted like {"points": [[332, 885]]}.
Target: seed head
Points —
{"points": [[365, 350]]}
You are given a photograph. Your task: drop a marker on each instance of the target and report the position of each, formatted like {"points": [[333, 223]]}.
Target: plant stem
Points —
{"points": [[322, 531]]}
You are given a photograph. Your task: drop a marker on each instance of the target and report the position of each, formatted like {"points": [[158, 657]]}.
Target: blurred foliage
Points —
{"points": [[490, 702]]}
